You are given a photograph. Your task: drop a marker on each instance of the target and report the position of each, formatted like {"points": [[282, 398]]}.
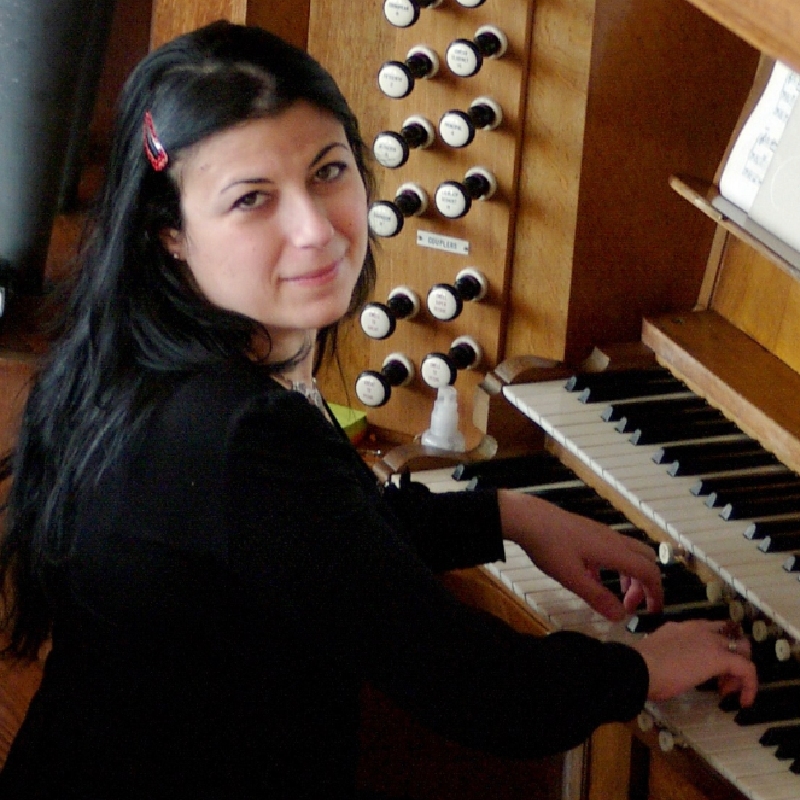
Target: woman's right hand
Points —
{"points": [[683, 655]]}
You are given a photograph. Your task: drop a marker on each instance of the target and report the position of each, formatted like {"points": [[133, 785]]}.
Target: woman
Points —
{"points": [[219, 572]]}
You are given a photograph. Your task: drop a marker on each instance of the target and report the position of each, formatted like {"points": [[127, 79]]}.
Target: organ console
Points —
{"points": [[615, 118], [626, 243]]}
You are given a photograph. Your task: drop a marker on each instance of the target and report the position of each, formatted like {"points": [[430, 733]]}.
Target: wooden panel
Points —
{"points": [[769, 25], [287, 18], [609, 763], [18, 683], [488, 226], [723, 364], [760, 299], [174, 17], [667, 88], [550, 178]]}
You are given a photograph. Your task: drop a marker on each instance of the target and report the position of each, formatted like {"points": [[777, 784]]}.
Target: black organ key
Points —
{"points": [[632, 377], [778, 734], [730, 481], [710, 450], [639, 410], [757, 489], [762, 507], [681, 431], [761, 528], [514, 472], [702, 458], [669, 413], [773, 703], [788, 750], [647, 621], [769, 667], [780, 542], [612, 391], [630, 421], [598, 387], [702, 465], [566, 495], [792, 563]]}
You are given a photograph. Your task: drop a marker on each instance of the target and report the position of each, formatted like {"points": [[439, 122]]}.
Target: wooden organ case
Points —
{"points": [[616, 119], [616, 115]]}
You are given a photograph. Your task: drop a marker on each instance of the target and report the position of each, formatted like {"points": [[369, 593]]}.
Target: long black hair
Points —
{"points": [[134, 317]]}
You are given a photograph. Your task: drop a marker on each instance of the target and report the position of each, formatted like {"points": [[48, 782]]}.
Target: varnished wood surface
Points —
{"points": [[730, 369], [287, 18], [488, 226], [174, 17], [18, 683], [770, 25]]}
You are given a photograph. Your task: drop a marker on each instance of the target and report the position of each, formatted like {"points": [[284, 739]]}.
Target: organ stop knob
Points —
{"points": [[454, 200], [470, 3], [457, 128], [379, 320], [374, 389], [386, 218], [446, 302], [396, 79], [441, 369], [465, 58], [392, 149], [405, 13]]}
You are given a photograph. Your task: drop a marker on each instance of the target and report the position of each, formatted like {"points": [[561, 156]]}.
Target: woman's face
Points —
{"points": [[275, 222]]}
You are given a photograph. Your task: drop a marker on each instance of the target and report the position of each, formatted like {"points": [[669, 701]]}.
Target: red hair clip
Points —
{"points": [[156, 154]]}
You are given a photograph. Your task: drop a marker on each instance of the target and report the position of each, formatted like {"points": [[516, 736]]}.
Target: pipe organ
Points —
{"points": [[546, 219], [600, 130]]}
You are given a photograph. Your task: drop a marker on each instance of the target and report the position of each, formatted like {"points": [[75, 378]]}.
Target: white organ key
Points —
{"points": [[438, 480], [699, 529], [733, 750]]}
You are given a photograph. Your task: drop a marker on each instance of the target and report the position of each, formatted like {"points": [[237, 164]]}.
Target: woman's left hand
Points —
{"points": [[573, 549]]}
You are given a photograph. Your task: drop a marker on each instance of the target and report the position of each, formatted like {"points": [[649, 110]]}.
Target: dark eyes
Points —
{"points": [[252, 199], [326, 174], [331, 171]]}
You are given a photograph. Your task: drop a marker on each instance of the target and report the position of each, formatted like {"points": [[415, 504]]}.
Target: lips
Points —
{"points": [[316, 276]]}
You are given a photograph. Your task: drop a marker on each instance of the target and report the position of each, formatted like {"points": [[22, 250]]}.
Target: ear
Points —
{"points": [[174, 242]]}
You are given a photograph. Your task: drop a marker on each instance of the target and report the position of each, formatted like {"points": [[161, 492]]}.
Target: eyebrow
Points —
{"points": [[319, 157]]}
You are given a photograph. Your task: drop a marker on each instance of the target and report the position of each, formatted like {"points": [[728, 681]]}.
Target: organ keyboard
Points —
{"points": [[668, 478]]}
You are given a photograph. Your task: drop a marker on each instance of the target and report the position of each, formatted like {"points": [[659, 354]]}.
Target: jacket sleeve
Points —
{"points": [[450, 530], [318, 549]]}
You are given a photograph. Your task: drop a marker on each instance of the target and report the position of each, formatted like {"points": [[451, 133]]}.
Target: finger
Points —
{"points": [[633, 596], [744, 672], [642, 567], [729, 684], [601, 599]]}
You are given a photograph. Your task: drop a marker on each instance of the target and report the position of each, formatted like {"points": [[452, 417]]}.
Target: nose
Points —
{"points": [[306, 220]]}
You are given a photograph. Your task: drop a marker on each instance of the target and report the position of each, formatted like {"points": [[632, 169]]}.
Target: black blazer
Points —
{"points": [[238, 576]]}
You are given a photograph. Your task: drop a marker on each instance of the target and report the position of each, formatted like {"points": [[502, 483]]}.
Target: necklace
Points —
{"points": [[312, 394]]}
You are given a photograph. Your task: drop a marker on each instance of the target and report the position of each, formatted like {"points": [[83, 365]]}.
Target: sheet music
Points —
{"points": [[756, 146]]}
